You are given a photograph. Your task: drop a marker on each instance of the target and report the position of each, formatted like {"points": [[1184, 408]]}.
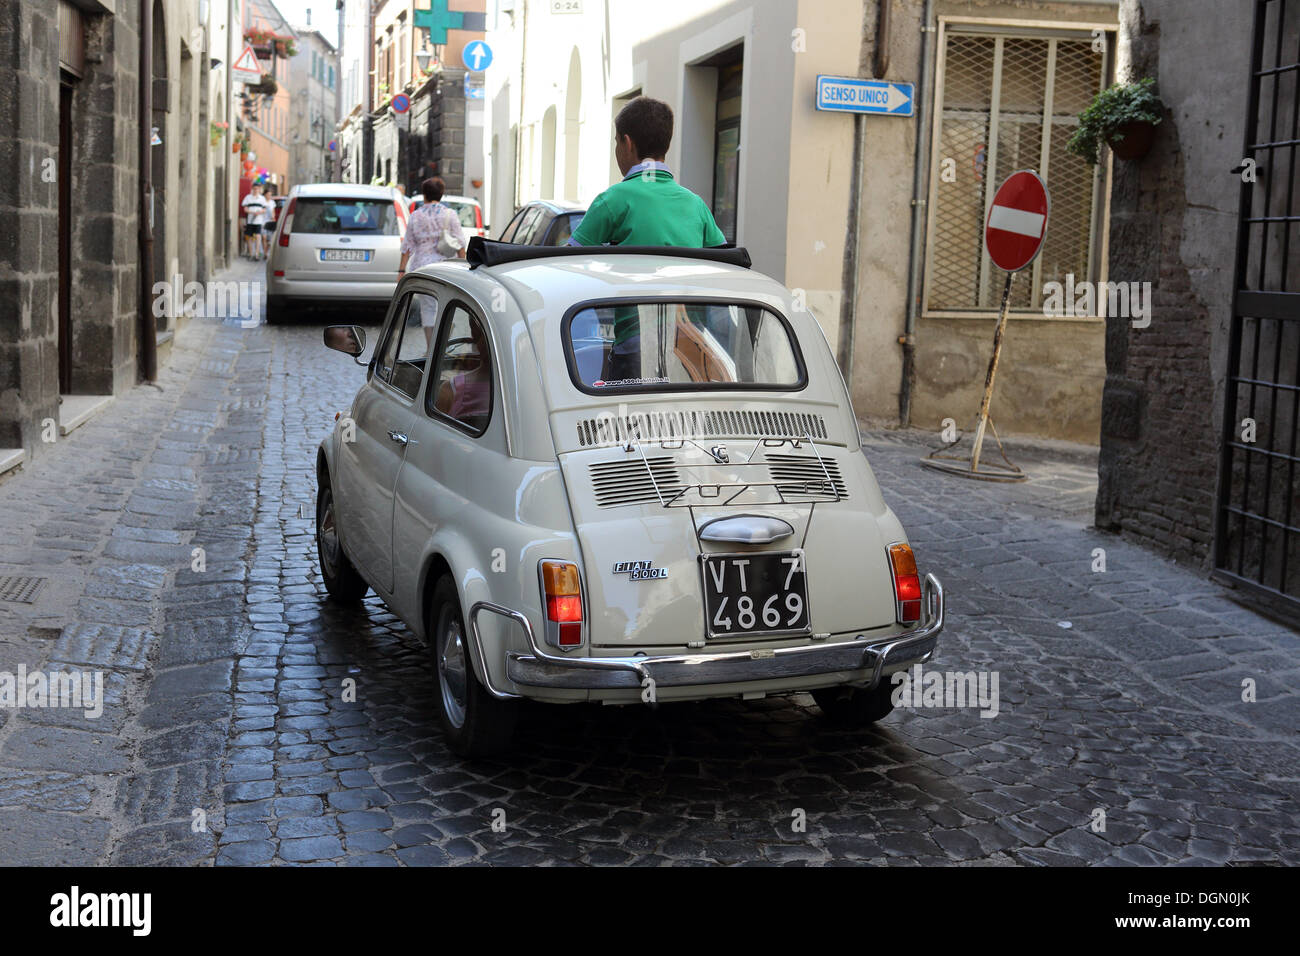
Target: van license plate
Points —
{"points": [[757, 593], [345, 255]]}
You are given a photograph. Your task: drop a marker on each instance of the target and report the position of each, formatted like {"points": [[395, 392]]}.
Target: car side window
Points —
{"points": [[383, 361], [513, 227], [562, 230], [411, 341], [461, 386], [528, 227], [537, 232]]}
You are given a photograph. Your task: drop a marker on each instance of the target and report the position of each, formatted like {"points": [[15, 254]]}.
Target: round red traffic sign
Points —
{"points": [[1017, 221], [401, 103]]}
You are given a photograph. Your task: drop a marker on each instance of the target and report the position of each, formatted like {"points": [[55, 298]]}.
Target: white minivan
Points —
{"points": [[335, 244]]}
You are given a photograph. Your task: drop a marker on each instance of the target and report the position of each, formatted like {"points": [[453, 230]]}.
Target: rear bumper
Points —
{"points": [[359, 290], [542, 669]]}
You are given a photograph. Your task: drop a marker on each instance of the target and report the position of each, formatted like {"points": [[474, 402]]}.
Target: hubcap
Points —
{"points": [[327, 536], [452, 677]]}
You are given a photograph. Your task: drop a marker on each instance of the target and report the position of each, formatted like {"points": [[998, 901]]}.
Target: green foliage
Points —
{"points": [[1110, 110]]}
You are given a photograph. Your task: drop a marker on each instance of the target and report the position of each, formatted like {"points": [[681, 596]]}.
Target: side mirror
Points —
{"points": [[348, 339]]}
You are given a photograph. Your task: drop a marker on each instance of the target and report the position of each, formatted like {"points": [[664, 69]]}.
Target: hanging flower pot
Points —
{"points": [[1122, 117], [268, 86], [1134, 139]]}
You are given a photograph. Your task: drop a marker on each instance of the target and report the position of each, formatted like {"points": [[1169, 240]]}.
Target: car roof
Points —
{"points": [[345, 190], [557, 205], [460, 199]]}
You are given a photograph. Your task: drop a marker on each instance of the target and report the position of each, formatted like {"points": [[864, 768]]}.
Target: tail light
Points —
{"points": [[478, 219], [288, 216], [401, 212], [562, 591], [907, 583]]}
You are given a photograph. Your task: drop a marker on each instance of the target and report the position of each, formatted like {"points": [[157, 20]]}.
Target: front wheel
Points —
{"points": [[476, 723], [856, 707], [342, 580]]}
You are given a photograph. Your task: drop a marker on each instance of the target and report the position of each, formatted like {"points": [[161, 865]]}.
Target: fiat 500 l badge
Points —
{"points": [[640, 570]]}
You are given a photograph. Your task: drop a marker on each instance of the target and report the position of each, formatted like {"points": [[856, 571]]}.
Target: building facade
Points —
{"points": [[115, 175], [313, 82], [877, 219]]}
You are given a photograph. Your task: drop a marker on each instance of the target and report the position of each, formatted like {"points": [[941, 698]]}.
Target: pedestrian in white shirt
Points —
{"points": [[255, 215]]}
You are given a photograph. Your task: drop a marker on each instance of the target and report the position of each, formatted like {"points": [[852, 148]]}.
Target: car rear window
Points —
{"points": [[465, 212], [365, 217], [680, 346]]}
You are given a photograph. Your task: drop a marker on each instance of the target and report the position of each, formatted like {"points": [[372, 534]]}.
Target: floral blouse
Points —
{"points": [[425, 228]]}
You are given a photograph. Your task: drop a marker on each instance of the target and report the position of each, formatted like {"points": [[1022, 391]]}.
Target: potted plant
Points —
{"points": [[260, 40], [216, 129], [1123, 117], [268, 86], [285, 47]]}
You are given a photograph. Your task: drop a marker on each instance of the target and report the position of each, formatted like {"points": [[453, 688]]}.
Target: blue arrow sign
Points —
{"points": [[476, 55], [850, 94]]}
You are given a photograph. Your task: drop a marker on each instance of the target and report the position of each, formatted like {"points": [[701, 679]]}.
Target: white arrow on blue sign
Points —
{"points": [[851, 94], [476, 55]]}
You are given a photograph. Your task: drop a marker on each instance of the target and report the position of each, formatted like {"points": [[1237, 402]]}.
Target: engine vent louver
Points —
{"points": [[807, 475], [676, 425], [634, 481]]}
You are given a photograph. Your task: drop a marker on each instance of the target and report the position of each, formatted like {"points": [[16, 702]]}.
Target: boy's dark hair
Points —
{"points": [[433, 188], [650, 124]]}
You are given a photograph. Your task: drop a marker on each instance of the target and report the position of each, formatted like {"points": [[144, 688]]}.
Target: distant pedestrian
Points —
{"points": [[255, 216]]}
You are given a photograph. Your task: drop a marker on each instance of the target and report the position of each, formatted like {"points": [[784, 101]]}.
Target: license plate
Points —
{"points": [[345, 255], [757, 593]]}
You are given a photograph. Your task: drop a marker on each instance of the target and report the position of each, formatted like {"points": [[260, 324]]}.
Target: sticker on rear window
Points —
{"points": [[657, 380]]}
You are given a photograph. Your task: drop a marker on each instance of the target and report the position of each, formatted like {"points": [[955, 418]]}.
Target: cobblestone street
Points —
{"points": [[225, 738]]}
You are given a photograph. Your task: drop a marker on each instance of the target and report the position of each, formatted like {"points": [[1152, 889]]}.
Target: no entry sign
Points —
{"points": [[1017, 221]]}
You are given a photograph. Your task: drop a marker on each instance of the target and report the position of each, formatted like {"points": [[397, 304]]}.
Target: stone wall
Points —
{"points": [[29, 249], [1173, 219]]}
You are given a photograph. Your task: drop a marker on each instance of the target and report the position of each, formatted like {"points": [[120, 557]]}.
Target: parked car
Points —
{"points": [[619, 474], [544, 222], [467, 208], [337, 244]]}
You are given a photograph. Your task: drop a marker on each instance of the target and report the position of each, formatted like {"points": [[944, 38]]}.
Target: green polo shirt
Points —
{"points": [[648, 210]]}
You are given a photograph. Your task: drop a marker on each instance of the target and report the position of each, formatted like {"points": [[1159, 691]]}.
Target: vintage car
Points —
{"points": [[626, 475]]}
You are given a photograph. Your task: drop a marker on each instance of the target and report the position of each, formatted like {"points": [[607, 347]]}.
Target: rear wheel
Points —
{"points": [[476, 723], [856, 707], [275, 310], [342, 581]]}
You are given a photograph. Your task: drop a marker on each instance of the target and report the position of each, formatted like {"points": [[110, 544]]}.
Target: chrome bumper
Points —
{"points": [[541, 668]]}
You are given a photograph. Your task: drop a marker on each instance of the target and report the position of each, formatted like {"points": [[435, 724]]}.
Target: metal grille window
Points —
{"points": [[1007, 101]]}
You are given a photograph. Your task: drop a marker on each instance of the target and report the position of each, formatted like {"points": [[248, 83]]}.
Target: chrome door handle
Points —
{"points": [[401, 438]]}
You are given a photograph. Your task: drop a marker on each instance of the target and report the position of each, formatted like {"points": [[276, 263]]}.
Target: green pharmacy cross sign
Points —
{"points": [[438, 20]]}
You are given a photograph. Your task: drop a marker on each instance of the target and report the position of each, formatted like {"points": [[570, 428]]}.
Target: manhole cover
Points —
{"points": [[20, 590]]}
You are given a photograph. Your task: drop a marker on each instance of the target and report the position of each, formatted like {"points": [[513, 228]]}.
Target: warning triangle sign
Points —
{"points": [[246, 68]]}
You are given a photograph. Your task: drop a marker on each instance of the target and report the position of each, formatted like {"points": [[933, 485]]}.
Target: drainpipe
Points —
{"points": [[920, 168], [148, 327], [519, 126]]}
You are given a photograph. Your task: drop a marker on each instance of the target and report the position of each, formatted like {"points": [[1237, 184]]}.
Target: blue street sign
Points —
{"points": [[401, 103], [476, 55], [850, 94]]}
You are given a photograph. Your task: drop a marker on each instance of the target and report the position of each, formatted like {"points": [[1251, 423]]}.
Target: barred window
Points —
{"points": [[1008, 100]]}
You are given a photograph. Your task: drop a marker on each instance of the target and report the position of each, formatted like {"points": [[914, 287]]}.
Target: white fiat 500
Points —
{"points": [[628, 475]]}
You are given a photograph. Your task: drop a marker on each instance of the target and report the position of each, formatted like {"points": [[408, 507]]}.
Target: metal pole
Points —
{"points": [[988, 379]]}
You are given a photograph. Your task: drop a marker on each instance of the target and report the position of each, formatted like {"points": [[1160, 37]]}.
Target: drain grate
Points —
{"points": [[20, 590]]}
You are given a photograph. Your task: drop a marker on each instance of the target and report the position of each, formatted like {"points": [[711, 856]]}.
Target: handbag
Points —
{"points": [[448, 244]]}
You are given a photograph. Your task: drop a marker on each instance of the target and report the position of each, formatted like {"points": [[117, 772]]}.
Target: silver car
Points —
{"points": [[336, 243]]}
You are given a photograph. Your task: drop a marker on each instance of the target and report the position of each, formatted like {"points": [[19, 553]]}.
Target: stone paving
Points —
{"points": [[1120, 691]]}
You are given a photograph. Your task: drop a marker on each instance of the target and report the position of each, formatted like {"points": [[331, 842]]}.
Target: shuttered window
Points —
{"points": [[1009, 100]]}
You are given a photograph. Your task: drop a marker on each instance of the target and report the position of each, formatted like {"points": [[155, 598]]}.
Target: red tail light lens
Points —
{"points": [[907, 583], [562, 590], [288, 215]]}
